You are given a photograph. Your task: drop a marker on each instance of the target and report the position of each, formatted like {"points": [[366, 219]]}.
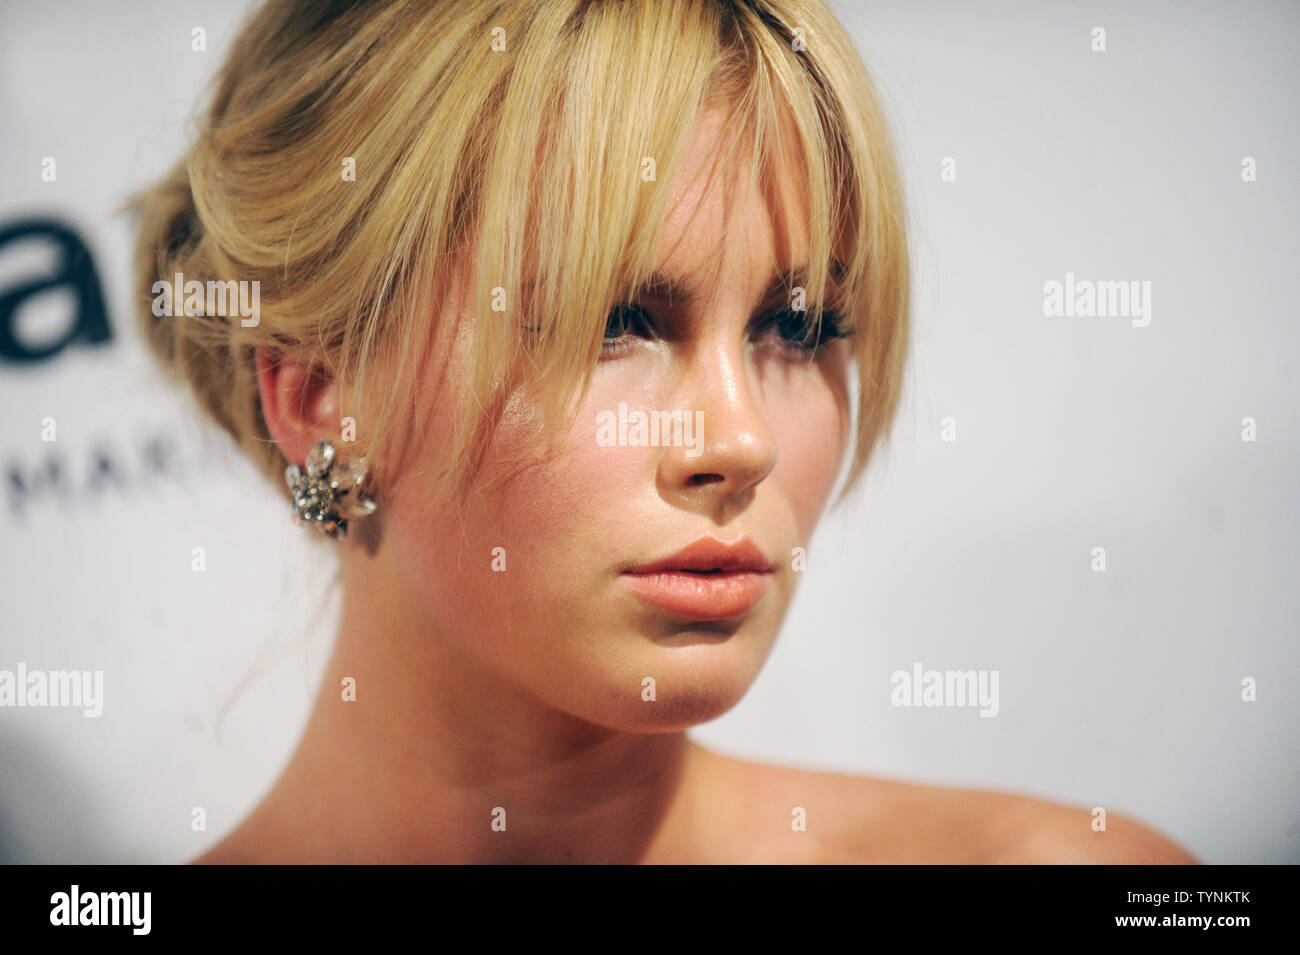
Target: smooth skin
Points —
{"points": [[479, 689]]}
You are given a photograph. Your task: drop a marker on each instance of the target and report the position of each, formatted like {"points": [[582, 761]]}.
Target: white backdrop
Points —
{"points": [[1120, 689]]}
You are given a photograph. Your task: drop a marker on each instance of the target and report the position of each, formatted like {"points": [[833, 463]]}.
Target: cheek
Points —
{"points": [[572, 496], [808, 413], [535, 537]]}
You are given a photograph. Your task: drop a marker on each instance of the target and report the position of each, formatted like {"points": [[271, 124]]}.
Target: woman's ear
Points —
{"points": [[300, 403]]}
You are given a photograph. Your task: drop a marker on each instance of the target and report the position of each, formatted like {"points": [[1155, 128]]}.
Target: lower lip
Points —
{"points": [[700, 596]]}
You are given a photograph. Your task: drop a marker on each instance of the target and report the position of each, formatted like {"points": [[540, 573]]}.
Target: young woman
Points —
{"points": [[569, 312]]}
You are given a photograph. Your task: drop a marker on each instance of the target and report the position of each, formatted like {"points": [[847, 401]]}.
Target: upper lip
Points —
{"points": [[711, 553]]}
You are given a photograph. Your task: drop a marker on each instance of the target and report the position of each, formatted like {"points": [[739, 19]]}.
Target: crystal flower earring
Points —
{"points": [[330, 492]]}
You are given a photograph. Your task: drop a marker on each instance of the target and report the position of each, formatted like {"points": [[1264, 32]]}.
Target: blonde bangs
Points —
{"points": [[569, 235]]}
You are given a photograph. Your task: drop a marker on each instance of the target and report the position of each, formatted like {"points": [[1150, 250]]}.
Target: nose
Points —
{"points": [[733, 448]]}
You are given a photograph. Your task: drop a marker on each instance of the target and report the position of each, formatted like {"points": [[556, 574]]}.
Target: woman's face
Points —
{"points": [[563, 621]]}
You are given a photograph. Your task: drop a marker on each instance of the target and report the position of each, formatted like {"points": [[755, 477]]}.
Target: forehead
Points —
{"points": [[711, 236]]}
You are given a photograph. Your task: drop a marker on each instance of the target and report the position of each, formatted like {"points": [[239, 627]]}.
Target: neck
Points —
{"points": [[437, 760]]}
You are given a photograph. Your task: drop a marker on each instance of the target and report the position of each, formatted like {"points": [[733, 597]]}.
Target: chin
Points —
{"points": [[694, 682]]}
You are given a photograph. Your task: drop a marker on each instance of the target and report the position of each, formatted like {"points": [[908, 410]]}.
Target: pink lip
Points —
{"points": [[710, 579]]}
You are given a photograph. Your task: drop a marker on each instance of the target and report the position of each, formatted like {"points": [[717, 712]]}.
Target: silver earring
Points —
{"points": [[330, 493]]}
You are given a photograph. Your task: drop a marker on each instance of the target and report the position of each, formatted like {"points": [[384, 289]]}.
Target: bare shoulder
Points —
{"points": [[1058, 834], [223, 853], [806, 815], [269, 835], [239, 847]]}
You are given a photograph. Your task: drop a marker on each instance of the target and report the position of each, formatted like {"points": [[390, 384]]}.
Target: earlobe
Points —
{"points": [[299, 402]]}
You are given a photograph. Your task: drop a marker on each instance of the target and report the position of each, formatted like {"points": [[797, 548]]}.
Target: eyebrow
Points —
{"points": [[663, 284]]}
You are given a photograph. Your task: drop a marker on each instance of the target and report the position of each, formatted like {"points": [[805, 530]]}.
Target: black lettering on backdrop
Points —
{"points": [[75, 270]]}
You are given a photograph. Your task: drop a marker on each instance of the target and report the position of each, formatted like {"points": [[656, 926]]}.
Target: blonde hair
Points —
{"points": [[517, 133]]}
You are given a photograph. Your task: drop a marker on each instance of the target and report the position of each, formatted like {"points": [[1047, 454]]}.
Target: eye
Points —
{"points": [[786, 330], [625, 321], [794, 332]]}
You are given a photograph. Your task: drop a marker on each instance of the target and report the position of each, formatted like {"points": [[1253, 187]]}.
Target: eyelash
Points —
{"points": [[832, 328]]}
